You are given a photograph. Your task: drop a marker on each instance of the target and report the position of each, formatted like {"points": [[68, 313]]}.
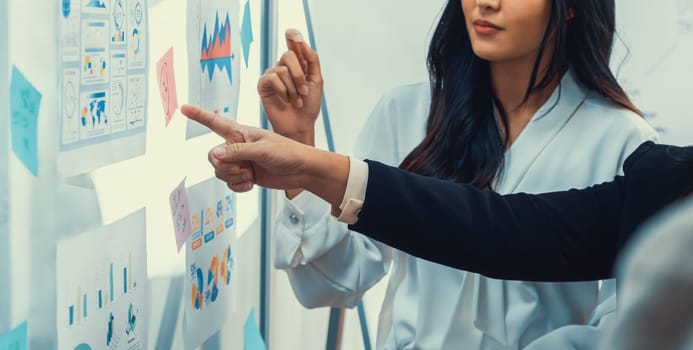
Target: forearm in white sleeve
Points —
{"points": [[327, 264]]}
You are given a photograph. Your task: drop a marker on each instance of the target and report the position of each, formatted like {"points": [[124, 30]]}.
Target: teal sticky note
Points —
{"points": [[251, 334], [17, 339], [246, 32], [24, 108]]}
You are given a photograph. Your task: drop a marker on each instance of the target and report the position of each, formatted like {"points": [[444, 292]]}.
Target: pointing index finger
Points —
{"points": [[223, 127]]}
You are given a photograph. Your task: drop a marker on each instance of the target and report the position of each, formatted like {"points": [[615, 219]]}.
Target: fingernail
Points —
{"points": [[296, 36], [299, 102], [303, 89], [220, 151]]}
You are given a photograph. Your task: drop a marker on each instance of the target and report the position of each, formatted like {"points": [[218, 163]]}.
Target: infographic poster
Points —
{"points": [[209, 261], [214, 56], [102, 287], [103, 48]]}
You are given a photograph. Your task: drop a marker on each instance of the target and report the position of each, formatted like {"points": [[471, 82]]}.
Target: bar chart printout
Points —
{"points": [[102, 292]]}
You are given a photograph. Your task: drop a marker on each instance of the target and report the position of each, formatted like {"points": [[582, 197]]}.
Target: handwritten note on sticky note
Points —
{"points": [[246, 32], [167, 84], [252, 338], [17, 339], [24, 108], [181, 214]]}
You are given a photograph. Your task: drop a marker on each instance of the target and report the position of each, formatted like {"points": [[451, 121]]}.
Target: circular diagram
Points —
{"points": [[118, 14], [70, 99]]}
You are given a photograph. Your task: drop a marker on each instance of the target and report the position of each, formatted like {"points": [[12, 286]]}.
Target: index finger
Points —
{"points": [[309, 59], [293, 43], [223, 127], [312, 62]]}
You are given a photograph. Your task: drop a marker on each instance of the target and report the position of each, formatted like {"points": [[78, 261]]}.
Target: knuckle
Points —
{"points": [[275, 78], [235, 147], [288, 55], [212, 159], [219, 175]]}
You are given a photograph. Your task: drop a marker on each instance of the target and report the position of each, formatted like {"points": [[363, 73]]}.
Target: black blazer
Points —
{"points": [[571, 235]]}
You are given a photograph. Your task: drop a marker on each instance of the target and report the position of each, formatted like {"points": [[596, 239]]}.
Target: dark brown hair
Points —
{"points": [[464, 140]]}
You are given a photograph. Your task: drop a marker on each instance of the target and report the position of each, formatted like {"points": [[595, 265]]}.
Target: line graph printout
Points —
{"points": [[209, 261], [214, 57], [102, 292], [103, 86]]}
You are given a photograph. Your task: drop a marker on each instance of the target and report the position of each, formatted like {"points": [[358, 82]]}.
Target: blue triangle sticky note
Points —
{"points": [[246, 32], [17, 339], [252, 338]]}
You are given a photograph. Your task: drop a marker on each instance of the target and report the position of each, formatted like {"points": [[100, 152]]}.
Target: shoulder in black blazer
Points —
{"points": [[571, 235]]}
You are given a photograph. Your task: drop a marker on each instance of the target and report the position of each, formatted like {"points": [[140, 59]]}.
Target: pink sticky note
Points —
{"points": [[180, 213], [167, 84]]}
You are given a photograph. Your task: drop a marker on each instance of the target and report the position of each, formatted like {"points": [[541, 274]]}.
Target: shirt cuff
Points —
{"points": [[355, 193], [304, 211]]}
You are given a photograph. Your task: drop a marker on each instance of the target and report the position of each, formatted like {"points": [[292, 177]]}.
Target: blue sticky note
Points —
{"points": [[251, 334], [17, 339], [246, 32], [24, 108]]}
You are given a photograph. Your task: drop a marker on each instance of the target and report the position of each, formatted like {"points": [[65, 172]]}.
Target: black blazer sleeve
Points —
{"points": [[561, 236]]}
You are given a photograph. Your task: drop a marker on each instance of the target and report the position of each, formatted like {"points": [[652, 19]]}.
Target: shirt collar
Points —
{"points": [[565, 98]]}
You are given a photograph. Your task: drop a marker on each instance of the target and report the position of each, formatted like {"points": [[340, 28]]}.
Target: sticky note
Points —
{"points": [[24, 108], [246, 32], [167, 84], [251, 334], [17, 339], [180, 212]]}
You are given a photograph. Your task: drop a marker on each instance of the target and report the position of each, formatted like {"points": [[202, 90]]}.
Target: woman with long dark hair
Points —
{"points": [[520, 99]]}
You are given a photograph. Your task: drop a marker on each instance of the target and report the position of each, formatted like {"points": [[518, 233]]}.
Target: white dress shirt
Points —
{"points": [[575, 140]]}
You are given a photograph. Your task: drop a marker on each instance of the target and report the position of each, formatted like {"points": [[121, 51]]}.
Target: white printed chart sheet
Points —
{"points": [[103, 44], [656, 70], [102, 287], [214, 57], [209, 261]]}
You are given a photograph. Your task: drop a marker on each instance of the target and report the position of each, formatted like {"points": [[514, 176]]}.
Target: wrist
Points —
{"points": [[326, 174], [306, 137]]}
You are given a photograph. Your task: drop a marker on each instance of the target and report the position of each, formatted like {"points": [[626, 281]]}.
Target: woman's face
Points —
{"points": [[506, 30]]}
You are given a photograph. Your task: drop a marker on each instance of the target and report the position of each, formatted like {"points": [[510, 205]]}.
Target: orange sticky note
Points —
{"points": [[167, 84]]}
